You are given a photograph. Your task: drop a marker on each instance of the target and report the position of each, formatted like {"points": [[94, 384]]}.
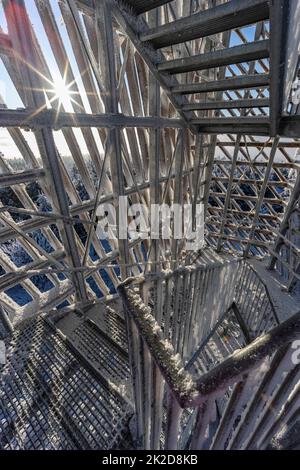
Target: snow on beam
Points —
{"points": [[44, 303], [170, 365]]}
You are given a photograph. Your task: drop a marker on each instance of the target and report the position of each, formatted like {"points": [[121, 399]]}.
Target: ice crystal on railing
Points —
{"points": [[179, 380]]}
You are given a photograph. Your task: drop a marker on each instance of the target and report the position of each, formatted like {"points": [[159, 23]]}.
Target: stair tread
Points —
{"points": [[247, 81], [231, 55], [141, 6], [228, 104], [234, 14], [50, 400]]}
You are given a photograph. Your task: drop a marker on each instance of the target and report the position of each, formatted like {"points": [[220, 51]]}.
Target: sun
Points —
{"points": [[61, 90], [64, 93]]}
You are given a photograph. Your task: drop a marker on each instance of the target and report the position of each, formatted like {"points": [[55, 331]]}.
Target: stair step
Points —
{"points": [[232, 55], [251, 121], [50, 399], [234, 14], [229, 104], [141, 6], [102, 354], [238, 83], [225, 338], [233, 125]]}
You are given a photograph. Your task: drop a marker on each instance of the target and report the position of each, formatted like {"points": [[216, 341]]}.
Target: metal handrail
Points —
{"points": [[165, 275], [267, 292], [190, 393], [158, 372], [225, 315]]}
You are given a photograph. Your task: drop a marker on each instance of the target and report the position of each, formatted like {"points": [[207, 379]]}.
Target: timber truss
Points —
{"points": [[176, 102]]}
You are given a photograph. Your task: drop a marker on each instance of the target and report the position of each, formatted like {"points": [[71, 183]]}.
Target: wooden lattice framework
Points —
{"points": [[147, 121]]}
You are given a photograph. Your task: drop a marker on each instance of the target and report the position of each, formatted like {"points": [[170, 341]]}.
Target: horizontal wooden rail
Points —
{"points": [[30, 118], [10, 179], [150, 277]]}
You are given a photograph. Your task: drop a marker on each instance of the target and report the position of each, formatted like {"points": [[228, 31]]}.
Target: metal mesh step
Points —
{"points": [[50, 400]]}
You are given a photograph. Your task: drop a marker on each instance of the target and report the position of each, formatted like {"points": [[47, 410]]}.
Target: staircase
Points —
{"points": [[60, 392], [67, 382], [174, 75]]}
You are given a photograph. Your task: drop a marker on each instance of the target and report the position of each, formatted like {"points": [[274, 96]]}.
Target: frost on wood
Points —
{"points": [[179, 380], [249, 185]]}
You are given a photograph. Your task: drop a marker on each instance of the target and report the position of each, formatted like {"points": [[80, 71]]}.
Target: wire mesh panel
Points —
{"points": [[50, 400]]}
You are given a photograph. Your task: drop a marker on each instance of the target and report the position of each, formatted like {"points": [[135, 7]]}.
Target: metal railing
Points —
{"points": [[166, 393], [254, 303], [251, 314], [183, 301], [177, 410]]}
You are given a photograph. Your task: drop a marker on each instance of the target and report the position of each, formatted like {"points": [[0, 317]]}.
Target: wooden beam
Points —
{"points": [[107, 64], [221, 121], [30, 118], [10, 179], [278, 43], [259, 145], [242, 241], [243, 197], [141, 6], [292, 47], [256, 163], [231, 55], [233, 125], [289, 126], [254, 182], [154, 153], [5, 44]]}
